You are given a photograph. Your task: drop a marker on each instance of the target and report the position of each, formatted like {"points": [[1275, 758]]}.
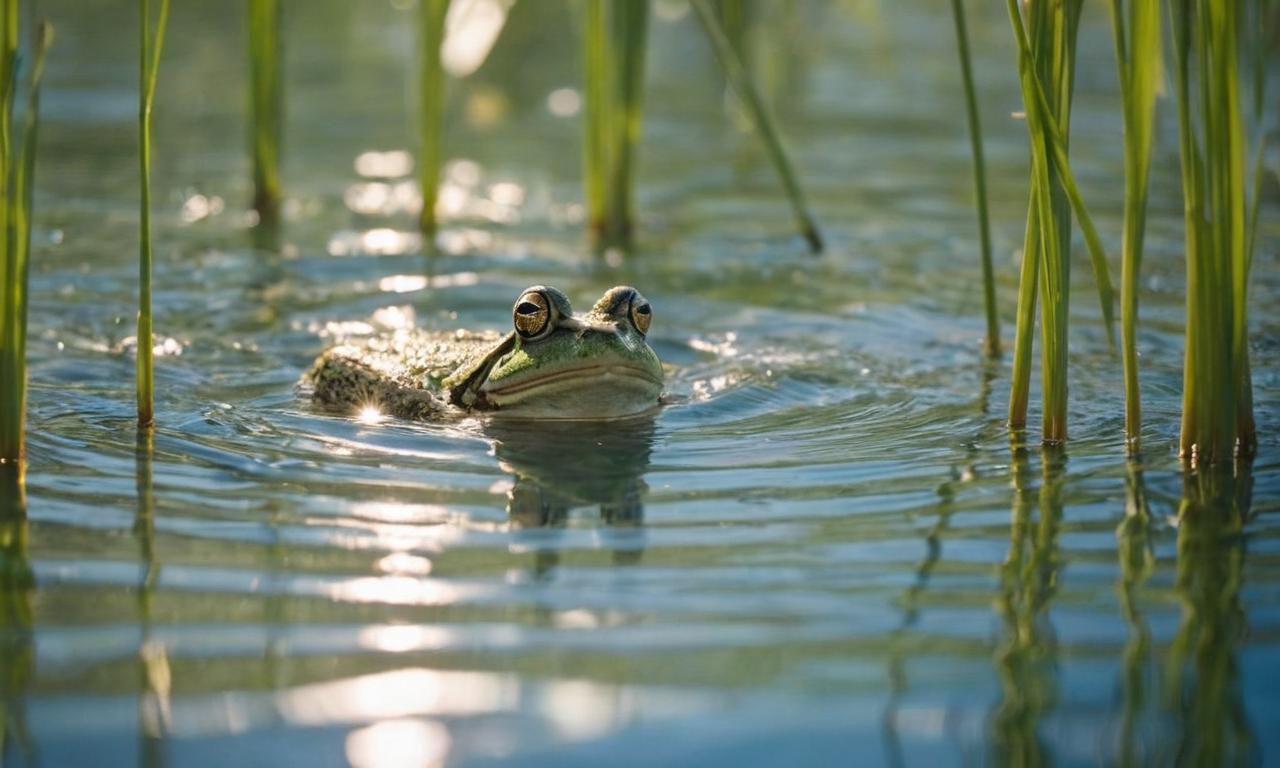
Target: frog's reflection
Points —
{"points": [[17, 650], [560, 466]]}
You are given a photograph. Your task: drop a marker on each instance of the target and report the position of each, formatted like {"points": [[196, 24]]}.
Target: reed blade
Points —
{"points": [[992, 343], [266, 105], [614, 42], [1136, 28], [1217, 418], [431, 109], [17, 179], [761, 119], [150, 48]]}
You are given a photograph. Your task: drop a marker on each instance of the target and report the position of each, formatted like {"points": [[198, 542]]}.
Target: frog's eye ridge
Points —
{"points": [[532, 315], [641, 314]]}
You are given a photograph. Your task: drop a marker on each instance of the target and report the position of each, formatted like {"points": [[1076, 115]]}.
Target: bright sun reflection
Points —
{"points": [[369, 414], [394, 743]]}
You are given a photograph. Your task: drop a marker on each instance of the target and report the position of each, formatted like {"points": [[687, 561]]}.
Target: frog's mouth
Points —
{"points": [[599, 389]]}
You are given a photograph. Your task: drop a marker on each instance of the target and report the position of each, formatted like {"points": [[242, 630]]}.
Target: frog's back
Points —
{"points": [[399, 373]]}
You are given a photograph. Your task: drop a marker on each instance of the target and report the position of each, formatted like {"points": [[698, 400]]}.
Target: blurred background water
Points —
{"points": [[824, 552]]}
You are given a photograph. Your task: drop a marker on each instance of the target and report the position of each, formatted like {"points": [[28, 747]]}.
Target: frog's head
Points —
{"points": [[557, 365]]}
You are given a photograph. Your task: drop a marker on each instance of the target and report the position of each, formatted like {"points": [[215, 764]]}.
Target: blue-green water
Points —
{"points": [[825, 552]]}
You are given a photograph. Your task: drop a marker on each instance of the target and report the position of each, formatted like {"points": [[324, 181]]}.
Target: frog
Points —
{"points": [[552, 364]]}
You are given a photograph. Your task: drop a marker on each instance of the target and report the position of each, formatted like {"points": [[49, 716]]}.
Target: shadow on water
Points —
{"points": [[559, 466], [17, 647], [1026, 659], [153, 664], [1208, 702]]}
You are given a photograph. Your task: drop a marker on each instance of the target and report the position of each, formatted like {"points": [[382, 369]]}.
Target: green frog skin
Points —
{"points": [[551, 365]]}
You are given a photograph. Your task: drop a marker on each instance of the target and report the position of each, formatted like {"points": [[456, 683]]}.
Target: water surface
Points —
{"points": [[826, 551]]}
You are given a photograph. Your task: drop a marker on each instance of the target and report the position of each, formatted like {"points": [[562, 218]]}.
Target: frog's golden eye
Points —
{"points": [[532, 315], [641, 314]]}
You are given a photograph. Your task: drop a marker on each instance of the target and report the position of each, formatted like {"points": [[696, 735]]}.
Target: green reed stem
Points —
{"points": [[1217, 416], [763, 121], [17, 176], [614, 58], [1046, 55], [630, 39], [1025, 330], [596, 113], [152, 43], [979, 180], [431, 108], [266, 105], [1138, 63], [13, 373]]}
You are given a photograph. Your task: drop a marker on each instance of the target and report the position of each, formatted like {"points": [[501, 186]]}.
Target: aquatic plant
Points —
{"points": [[1046, 42], [151, 44], [266, 104], [1136, 25], [614, 50], [17, 177], [737, 76], [1217, 397], [431, 107], [992, 343]]}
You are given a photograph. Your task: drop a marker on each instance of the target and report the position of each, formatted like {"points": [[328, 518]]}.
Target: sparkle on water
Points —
{"points": [[823, 550]]}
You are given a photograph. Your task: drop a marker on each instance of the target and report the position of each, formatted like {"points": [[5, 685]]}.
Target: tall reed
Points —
{"points": [[763, 121], [992, 343], [1136, 25], [1046, 41], [431, 108], [151, 44], [1217, 396], [17, 179], [614, 57], [266, 104]]}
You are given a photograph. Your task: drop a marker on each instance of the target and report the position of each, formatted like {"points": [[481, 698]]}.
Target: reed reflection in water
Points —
{"points": [[17, 647]]}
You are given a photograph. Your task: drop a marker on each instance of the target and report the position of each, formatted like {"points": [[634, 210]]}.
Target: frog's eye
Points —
{"points": [[641, 314], [532, 315]]}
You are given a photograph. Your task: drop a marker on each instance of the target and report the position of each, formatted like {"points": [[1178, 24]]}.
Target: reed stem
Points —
{"points": [[266, 105], [1217, 407], [614, 58], [17, 178], [152, 43], [1138, 58], [431, 105], [992, 343], [763, 121]]}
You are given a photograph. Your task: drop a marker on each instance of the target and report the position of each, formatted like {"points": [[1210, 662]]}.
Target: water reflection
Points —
{"points": [[560, 466], [1026, 659], [17, 649], [1209, 704], [1137, 560], [154, 717]]}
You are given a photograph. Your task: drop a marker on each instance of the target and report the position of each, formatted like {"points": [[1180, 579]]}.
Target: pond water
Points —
{"points": [[825, 552]]}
